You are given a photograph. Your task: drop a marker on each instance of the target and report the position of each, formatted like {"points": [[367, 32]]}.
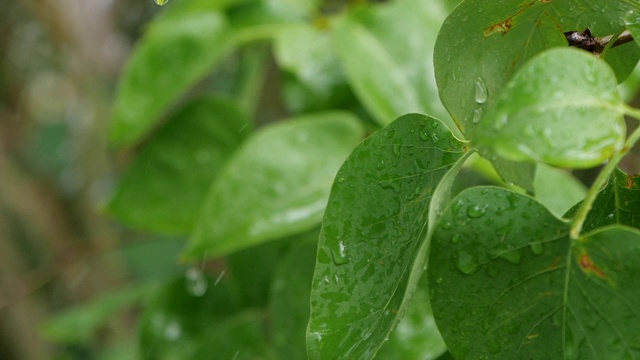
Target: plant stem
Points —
{"points": [[601, 180]]}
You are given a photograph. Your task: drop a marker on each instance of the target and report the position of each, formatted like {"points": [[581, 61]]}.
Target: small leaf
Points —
{"points": [[617, 203], [386, 51], [374, 232], [164, 188], [507, 282], [562, 108], [175, 52], [276, 184]]}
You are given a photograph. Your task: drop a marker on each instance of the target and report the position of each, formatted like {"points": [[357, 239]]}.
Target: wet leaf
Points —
{"points": [[164, 188], [507, 282], [617, 203], [386, 51], [174, 53], [561, 108], [276, 184], [372, 243], [503, 35]]}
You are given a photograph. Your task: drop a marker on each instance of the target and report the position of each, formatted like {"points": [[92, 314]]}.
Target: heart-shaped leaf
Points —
{"points": [[372, 244], [562, 108], [507, 282]]}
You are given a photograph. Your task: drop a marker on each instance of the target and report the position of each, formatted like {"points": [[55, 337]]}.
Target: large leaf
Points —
{"points": [[176, 168], [562, 108], [387, 53], [175, 52], [502, 35], [557, 189], [371, 249], [276, 184], [507, 282]]}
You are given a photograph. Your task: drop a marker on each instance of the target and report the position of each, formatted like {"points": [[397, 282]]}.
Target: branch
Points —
{"points": [[584, 40]]}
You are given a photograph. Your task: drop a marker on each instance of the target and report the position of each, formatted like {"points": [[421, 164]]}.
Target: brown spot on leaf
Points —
{"points": [[501, 27], [629, 183], [588, 266]]}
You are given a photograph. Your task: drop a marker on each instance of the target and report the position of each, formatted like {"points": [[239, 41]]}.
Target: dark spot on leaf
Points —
{"points": [[630, 181], [501, 27], [588, 266]]}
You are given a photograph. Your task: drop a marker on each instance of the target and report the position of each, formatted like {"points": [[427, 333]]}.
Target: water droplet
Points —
{"points": [[339, 253], [161, 2], [537, 248], [446, 225], [396, 149], [340, 180], [424, 135], [173, 330], [196, 283], [434, 137], [513, 256], [380, 164], [476, 211], [467, 262], [481, 91], [434, 124], [477, 115], [632, 18], [439, 280], [455, 238], [492, 271]]}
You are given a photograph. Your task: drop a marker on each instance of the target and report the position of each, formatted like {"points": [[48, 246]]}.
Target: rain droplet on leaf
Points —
{"points": [[481, 91], [476, 211], [537, 248], [467, 262], [339, 253], [477, 115], [161, 2], [196, 282]]}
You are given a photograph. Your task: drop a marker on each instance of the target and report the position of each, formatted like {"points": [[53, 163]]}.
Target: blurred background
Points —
{"points": [[59, 64]]}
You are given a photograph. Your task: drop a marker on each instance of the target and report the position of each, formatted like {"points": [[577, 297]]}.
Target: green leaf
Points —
{"points": [[316, 79], [386, 51], [617, 203], [502, 35], [507, 282], [416, 336], [372, 243], [176, 167], [290, 291], [276, 184], [79, 324], [175, 52], [561, 108], [557, 189]]}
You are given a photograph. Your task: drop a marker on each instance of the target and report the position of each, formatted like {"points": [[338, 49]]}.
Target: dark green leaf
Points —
{"points": [[562, 108], [387, 52], [507, 282], [276, 184], [164, 189], [373, 235], [290, 292], [175, 52], [617, 203]]}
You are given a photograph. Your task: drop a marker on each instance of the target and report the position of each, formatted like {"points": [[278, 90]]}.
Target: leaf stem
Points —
{"points": [[601, 180]]}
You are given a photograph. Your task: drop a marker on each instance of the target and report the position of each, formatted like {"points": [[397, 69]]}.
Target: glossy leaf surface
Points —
{"points": [[372, 234], [617, 203], [561, 108], [507, 282], [387, 53], [502, 36], [276, 184], [175, 52], [164, 188]]}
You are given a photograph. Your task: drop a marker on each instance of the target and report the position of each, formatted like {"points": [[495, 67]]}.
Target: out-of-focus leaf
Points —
{"points": [[164, 189], [416, 337], [387, 53], [372, 242], [78, 325], [153, 260], [317, 80], [562, 108], [290, 291], [276, 184], [174, 53], [507, 282], [557, 189], [180, 314]]}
